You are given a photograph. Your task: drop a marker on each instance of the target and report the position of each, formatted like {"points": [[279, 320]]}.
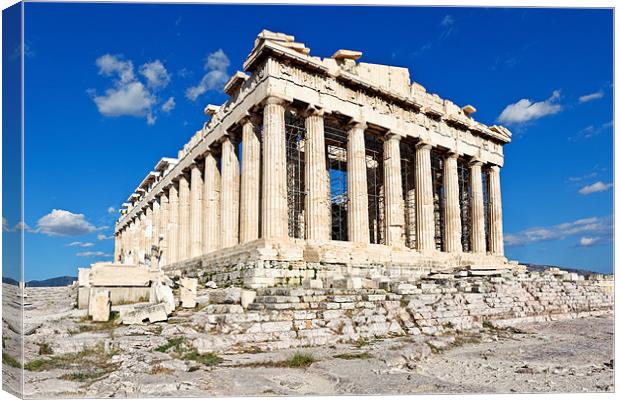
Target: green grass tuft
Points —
{"points": [[300, 360], [354, 356], [206, 359], [10, 360]]}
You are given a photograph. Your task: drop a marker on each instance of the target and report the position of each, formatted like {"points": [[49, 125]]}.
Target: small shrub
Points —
{"points": [[300, 360], [206, 359], [45, 349], [84, 376], [176, 343], [10, 360], [160, 369]]}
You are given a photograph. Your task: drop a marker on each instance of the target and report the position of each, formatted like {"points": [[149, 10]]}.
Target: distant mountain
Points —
{"points": [[57, 281], [540, 268], [9, 281]]}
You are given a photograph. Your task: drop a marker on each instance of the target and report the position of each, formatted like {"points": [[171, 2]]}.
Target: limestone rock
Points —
{"points": [[247, 297], [187, 289], [140, 313], [99, 306], [161, 293]]}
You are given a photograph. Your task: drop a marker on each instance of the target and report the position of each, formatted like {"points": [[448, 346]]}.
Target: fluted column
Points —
{"points": [[394, 205], [317, 203], [183, 226], [164, 210], [148, 233], [357, 185], [133, 243], [173, 224], [141, 237], [452, 208], [196, 194], [274, 223], [425, 223], [496, 242], [117, 245], [230, 194], [249, 203], [478, 243], [211, 203], [156, 217]]}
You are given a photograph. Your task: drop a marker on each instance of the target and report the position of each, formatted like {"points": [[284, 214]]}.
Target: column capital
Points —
{"points": [[281, 100], [250, 117], [356, 124], [475, 162], [452, 154], [495, 168], [389, 135], [423, 145], [312, 111]]}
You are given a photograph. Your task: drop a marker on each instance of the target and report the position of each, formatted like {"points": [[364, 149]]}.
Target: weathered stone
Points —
{"points": [[161, 293], [146, 312], [99, 306], [187, 292], [247, 297]]}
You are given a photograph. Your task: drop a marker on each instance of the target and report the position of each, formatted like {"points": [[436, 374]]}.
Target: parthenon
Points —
{"points": [[320, 168]]}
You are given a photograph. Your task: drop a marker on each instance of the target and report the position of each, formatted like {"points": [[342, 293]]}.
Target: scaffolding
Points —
{"points": [[374, 174], [464, 176], [336, 143], [407, 164], [295, 132], [437, 169]]}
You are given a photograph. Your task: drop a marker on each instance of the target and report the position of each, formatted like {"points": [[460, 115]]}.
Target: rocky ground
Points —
{"points": [[68, 356]]}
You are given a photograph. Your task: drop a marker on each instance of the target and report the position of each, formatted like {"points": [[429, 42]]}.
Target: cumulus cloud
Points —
{"points": [[93, 254], [215, 75], [156, 74], [64, 223], [595, 187], [168, 105], [80, 244], [128, 95], [592, 96], [595, 228], [590, 241], [20, 226], [525, 110], [101, 236]]}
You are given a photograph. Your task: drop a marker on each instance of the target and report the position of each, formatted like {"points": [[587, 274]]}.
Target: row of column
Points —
{"points": [[218, 207]]}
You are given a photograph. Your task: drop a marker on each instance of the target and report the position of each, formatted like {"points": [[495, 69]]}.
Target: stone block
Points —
{"points": [[313, 284], [141, 313], [119, 275], [354, 282], [99, 306], [161, 293], [187, 291], [84, 277], [247, 297]]}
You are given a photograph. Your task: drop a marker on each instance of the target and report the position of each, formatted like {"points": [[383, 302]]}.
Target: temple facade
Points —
{"points": [[321, 168]]}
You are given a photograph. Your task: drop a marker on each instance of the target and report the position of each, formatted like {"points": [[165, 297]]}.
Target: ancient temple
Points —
{"points": [[321, 168]]}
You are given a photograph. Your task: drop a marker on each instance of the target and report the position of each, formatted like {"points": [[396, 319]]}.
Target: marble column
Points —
{"points": [[452, 207], [183, 226], [317, 202], [196, 193], [229, 219], [164, 233], [140, 229], [357, 185], [478, 242], [211, 205], [392, 178], [117, 246], [496, 242], [148, 234], [155, 235], [133, 243], [249, 203], [274, 207], [425, 222], [173, 224]]}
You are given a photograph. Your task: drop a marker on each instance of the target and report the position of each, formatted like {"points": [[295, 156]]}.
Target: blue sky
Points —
{"points": [[98, 114]]}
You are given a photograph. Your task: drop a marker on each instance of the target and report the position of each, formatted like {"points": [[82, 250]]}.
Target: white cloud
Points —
{"points": [[93, 254], [156, 74], [80, 244], [5, 225], [215, 77], [524, 110], [582, 178], [101, 236], [591, 131], [589, 241], [594, 227], [111, 210], [64, 223], [592, 96], [129, 99], [128, 95], [595, 187], [168, 105]]}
